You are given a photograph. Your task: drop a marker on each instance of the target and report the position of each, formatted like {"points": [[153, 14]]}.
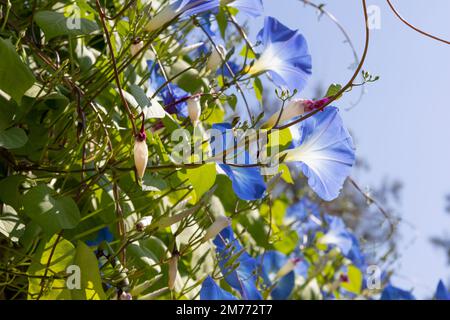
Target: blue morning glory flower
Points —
{"points": [[337, 235], [285, 56], [304, 217], [180, 9], [442, 292], [253, 8], [272, 262], [324, 152], [239, 272], [211, 291], [355, 255], [102, 235], [247, 182], [170, 93], [394, 293]]}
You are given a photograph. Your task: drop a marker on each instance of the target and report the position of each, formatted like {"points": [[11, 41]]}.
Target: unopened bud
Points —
{"points": [[160, 19], [125, 296], [221, 223], [194, 109], [140, 154], [142, 224], [293, 109], [287, 267], [136, 47], [216, 58], [173, 269]]}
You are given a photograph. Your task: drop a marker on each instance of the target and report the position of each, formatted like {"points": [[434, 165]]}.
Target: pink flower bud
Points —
{"points": [[140, 154], [173, 269], [221, 223], [194, 109]]}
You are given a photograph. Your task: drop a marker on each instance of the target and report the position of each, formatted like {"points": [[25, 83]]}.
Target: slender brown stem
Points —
{"points": [[349, 83], [414, 27], [113, 60]]}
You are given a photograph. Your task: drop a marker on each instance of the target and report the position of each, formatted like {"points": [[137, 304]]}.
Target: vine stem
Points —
{"points": [[116, 72], [344, 32], [349, 83], [47, 267], [394, 10]]}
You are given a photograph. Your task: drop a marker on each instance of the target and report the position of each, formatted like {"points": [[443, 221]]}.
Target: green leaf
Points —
{"points": [[222, 22], [91, 282], [56, 24], [10, 224], [286, 241], [13, 138], [355, 279], [333, 89], [285, 173], [248, 52], [15, 77], [62, 255], [257, 85], [50, 213], [202, 178], [9, 191]]}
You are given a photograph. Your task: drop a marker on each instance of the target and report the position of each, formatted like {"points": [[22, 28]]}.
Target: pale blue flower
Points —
{"points": [[284, 56], [324, 152]]}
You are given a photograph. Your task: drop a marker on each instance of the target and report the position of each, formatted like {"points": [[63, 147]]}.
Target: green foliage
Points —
{"points": [[56, 24], [52, 214], [15, 77], [69, 116]]}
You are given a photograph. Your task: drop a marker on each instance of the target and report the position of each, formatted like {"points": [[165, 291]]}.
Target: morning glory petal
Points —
{"points": [[170, 93], [285, 55], [192, 7], [211, 291], [272, 262], [241, 274], [247, 182], [253, 8], [394, 293], [102, 235], [441, 292], [325, 152], [338, 235]]}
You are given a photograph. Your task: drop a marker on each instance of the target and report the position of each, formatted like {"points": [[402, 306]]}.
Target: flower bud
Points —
{"points": [[160, 19], [194, 109], [287, 267], [125, 296], [221, 223], [293, 109], [173, 269], [142, 224], [215, 60], [140, 154], [136, 46]]}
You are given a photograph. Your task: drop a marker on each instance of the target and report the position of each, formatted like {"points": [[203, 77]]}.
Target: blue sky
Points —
{"points": [[401, 127]]}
